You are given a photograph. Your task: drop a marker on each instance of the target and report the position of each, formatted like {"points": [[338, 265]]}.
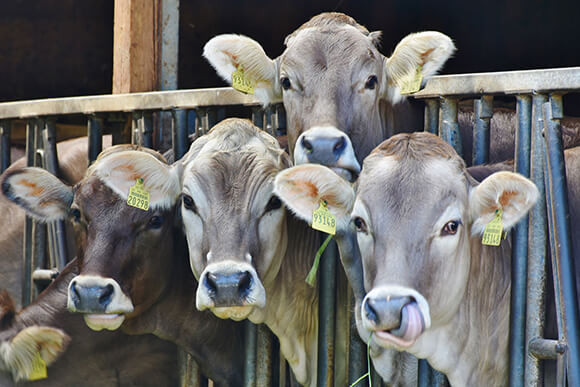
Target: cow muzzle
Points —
{"points": [[396, 316], [230, 290], [100, 300], [328, 146]]}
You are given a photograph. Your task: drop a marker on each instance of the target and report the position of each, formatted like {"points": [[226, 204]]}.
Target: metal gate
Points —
{"points": [[539, 155]]}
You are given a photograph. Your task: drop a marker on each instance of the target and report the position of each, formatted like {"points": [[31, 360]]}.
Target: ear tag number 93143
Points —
{"points": [[138, 196], [323, 220]]}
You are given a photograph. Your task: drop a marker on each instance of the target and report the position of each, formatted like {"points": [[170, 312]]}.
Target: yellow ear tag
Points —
{"points": [[138, 196], [412, 83], [241, 82], [492, 234], [38, 368], [322, 219]]}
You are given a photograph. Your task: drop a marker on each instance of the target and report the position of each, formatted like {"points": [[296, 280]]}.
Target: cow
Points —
{"points": [[132, 267], [343, 97], [415, 225]]}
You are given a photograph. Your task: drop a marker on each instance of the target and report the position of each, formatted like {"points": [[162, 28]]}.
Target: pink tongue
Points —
{"points": [[414, 322]]}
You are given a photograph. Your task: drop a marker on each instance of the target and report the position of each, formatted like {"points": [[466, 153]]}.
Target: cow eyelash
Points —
{"points": [[273, 204], [156, 222], [188, 203], [451, 228], [371, 82], [75, 213], [285, 83], [360, 224]]}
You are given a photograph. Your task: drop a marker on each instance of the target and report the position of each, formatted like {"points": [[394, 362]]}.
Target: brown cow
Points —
{"points": [[132, 263], [432, 288]]}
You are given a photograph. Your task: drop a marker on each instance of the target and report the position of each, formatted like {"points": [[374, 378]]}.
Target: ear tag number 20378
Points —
{"points": [[138, 196]]}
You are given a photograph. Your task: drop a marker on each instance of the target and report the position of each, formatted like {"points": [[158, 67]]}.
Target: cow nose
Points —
{"points": [[385, 313], [324, 150], [91, 299], [228, 289]]}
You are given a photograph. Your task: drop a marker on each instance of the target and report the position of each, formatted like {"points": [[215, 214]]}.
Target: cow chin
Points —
{"points": [[109, 321], [236, 313]]}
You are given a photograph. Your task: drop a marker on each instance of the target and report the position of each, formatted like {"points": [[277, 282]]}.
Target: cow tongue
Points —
{"points": [[412, 323]]}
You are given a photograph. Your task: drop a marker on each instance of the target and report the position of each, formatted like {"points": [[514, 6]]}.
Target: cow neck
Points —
{"points": [[292, 309], [477, 335], [216, 345]]}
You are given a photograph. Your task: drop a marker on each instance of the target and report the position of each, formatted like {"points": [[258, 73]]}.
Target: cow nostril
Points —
{"points": [[307, 145], [370, 312], [106, 295], [245, 283], [340, 145], [211, 282], [75, 291]]}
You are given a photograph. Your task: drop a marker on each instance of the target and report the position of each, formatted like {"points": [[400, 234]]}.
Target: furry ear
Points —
{"points": [[304, 187], [20, 355], [429, 49], [120, 171], [228, 53], [510, 192], [40, 193]]}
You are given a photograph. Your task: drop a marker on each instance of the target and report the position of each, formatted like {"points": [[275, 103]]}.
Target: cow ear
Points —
{"points": [[229, 53], [123, 170], [425, 51], [41, 194], [20, 356], [303, 188], [509, 192]]}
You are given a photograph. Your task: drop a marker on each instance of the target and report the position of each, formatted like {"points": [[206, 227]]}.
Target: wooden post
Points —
{"points": [[136, 47]]}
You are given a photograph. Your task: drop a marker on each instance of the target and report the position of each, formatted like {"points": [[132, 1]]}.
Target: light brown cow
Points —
{"points": [[432, 288], [335, 84]]}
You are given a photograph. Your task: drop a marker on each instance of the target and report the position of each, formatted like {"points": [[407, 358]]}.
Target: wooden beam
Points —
{"points": [[135, 52]]}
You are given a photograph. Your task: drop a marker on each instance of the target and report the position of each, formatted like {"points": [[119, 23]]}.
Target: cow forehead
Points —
{"points": [[343, 48], [411, 191]]}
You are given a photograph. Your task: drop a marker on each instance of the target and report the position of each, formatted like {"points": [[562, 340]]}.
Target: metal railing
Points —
{"points": [[539, 109]]}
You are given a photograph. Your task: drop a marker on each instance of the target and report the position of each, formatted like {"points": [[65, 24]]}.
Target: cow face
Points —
{"points": [[235, 226], [119, 248], [333, 82], [418, 217]]}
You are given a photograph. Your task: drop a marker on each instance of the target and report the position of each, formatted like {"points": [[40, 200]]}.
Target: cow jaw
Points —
{"points": [[394, 328]]}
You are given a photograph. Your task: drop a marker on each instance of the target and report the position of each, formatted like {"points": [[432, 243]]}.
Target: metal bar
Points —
{"points": [[483, 109], [95, 134], [264, 356], [27, 284], [519, 273], [449, 127], [536, 287], [545, 349], [502, 83], [432, 115], [553, 112], [326, 313], [136, 134], [59, 256], [258, 116], [179, 132], [250, 366], [145, 124], [5, 143], [169, 47], [357, 350]]}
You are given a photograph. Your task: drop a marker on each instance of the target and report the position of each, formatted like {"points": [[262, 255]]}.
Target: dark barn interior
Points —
{"points": [[54, 48]]}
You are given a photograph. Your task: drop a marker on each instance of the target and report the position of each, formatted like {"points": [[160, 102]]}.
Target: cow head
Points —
{"points": [[235, 225], [121, 249], [334, 82], [418, 218]]}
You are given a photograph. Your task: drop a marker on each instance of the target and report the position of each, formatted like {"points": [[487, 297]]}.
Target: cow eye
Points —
{"points": [[371, 82], [75, 213], [360, 224], [451, 228], [155, 222], [273, 204], [285, 82], [188, 203]]}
